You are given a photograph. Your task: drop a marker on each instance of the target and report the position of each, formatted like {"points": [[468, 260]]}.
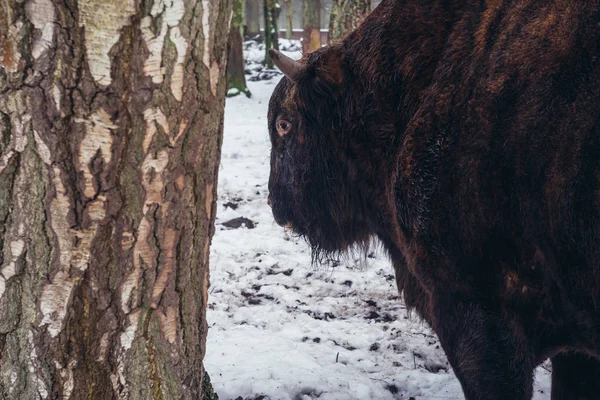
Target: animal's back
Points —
{"points": [[501, 161]]}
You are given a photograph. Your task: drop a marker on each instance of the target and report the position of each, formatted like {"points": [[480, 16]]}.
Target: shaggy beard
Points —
{"points": [[356, 254], [331, 250]]}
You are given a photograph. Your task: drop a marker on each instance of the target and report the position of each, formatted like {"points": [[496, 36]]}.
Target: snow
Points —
{"points": [[285, 330], [254, 56]]}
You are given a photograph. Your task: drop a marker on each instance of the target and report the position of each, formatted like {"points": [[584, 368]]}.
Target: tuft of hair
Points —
{"points": [[357, 254]]}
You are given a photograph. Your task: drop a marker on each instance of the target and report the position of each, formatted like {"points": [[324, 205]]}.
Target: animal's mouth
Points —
{"points": [[283, 222], [281, 218]]}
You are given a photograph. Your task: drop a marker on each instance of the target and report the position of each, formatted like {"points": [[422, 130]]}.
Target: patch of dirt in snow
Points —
{"points": [[280, 329]]}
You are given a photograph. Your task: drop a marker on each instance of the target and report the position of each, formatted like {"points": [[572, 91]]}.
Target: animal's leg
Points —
{"points": [[575, 377], [490, 362]]}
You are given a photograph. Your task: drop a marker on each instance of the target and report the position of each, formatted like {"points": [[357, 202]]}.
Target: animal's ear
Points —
{"points": [[321, 84], [328, 65]]}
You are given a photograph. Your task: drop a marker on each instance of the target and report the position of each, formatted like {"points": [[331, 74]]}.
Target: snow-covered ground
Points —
{"points": [[280, 329]]}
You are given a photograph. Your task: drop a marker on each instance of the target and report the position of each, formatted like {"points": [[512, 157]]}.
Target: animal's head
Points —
{"points": [[312, 186]]}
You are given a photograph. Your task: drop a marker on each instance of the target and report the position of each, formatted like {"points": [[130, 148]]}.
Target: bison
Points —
{"points": [[465, 136]]}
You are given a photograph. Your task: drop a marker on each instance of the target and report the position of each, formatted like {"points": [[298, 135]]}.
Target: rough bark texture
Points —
{"points": [[111, 117], [311, 19], [345, 16], [236, 78]]}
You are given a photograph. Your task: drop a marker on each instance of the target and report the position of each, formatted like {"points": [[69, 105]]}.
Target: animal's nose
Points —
{"points": [[269, 202]]}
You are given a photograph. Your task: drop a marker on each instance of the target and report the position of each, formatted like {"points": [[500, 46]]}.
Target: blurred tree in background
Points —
{"points": [[311, 19], [236, 78], [289, 18], [345, 16], [271, 11]]}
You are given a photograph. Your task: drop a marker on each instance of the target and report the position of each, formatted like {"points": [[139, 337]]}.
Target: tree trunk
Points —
{"points": [[236, 78], [268, 36], [271, 14], [274, 11], [345, 16], [311, 19], [289, 31], [111, 118], [253, 16]]}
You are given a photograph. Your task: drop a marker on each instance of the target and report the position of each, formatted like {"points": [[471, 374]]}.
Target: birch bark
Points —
{"points": [[111, 118]]}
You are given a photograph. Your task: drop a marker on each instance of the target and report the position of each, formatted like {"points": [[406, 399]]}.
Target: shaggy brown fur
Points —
{"points": [[464, 135]]}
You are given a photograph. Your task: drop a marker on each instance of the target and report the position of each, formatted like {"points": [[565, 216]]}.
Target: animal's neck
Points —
{"points": [[390, 60], [393, 55]]}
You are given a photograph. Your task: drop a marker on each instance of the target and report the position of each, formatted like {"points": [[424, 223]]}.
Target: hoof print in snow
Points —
{"points": [[374, 347], [321, 317], [266, 297], [231, 204], [372, 315], [392, 388], [257, 397], [435, 368], [371, 303], [386, 318], [399, 348], [238, 222], [293, 287], [379, 318], [273, 271], [347, 283], [255, 299], [308, 393]]}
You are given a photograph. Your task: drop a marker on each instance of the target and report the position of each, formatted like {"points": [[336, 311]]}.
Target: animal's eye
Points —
{"points": [[283, 127]]}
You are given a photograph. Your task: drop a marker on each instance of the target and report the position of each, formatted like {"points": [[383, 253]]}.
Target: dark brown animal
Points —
{"points": [[465, 135]]}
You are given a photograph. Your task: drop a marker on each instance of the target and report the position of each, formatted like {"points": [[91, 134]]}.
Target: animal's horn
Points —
{"points": [[290, 68]]}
